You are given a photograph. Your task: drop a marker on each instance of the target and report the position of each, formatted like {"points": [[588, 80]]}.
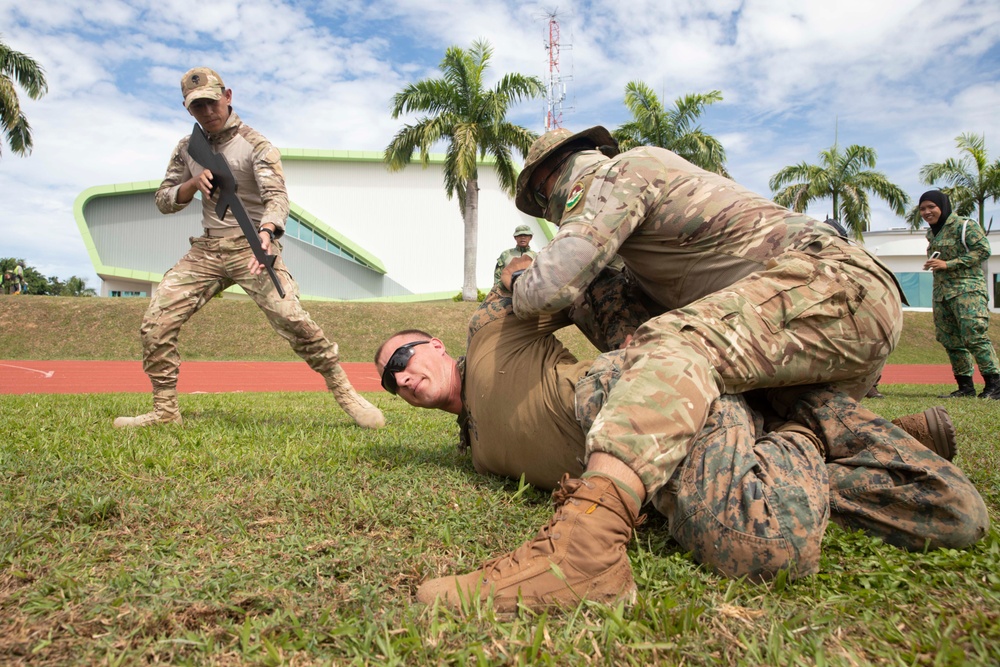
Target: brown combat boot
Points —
{"points": [[578, 555], [933, 428], [361, 411], [165, 411]]}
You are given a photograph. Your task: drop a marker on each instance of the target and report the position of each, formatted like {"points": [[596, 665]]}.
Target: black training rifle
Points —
{"points": [[224, 183]]}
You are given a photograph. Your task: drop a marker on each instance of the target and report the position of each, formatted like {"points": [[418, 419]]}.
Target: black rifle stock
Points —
{"points": [[224, 183]]}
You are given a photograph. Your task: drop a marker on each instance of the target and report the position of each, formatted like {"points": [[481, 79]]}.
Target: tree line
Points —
{"points": [[36, 283]]}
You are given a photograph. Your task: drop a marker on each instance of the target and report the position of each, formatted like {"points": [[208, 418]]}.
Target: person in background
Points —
{"points": [[957, 248], [522, 248], [18, 285]]}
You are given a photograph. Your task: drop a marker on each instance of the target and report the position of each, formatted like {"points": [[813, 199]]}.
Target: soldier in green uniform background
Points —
{"points": [[957, 248], [522, 248]]}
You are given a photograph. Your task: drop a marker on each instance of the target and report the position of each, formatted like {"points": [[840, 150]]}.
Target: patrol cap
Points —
{"points": [[523, 230], [201, 83], [544, 147]]}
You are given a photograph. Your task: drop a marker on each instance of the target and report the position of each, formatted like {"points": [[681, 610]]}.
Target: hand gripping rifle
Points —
{"points": [[224, 183]]}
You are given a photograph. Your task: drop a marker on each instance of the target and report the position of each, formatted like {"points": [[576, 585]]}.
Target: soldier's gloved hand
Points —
{"points": [[516, 264]]}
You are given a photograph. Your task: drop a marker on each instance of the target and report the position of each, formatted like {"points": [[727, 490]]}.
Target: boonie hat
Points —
{"points": [[522, 230], [543, 147], [201, 83]]}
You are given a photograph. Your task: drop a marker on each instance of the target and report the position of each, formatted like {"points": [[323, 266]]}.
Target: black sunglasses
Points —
{"points": [[397, 364]]}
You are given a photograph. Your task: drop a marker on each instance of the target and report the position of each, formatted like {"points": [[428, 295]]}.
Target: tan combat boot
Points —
{"points": [[165, 411], [361, 411], [578, 555], [933, 428]]}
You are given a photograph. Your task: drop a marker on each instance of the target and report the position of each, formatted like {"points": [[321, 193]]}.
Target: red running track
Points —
{"points": [[100, 377]]}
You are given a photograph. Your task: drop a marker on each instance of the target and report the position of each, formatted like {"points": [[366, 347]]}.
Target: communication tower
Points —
{"points": [[555, 87]]}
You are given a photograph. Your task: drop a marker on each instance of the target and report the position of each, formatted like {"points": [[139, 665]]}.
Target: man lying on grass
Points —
{"points": [[751, 498]]}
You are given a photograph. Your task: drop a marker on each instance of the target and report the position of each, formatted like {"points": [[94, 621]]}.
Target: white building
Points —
{"points": [[359, 232], [356, 231], [904, 251]]}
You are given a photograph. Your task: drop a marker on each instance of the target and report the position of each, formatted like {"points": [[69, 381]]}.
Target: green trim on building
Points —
{"points": [[135, 187], [402, 298], [358, 253], [548, 229], [303, 216]]}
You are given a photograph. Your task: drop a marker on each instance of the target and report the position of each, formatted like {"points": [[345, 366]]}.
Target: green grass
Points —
{"points": [[35, 327], [270, 530]]}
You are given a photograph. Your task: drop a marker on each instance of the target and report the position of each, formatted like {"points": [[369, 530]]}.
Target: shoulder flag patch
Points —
{"points": [[575, 195]]}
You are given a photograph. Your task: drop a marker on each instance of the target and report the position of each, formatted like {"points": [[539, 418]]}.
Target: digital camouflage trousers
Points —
{"points": [[962, 326], [754, 497]]}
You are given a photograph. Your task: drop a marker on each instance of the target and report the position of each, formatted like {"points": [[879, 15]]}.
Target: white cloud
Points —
{"points": [[904, 77]]}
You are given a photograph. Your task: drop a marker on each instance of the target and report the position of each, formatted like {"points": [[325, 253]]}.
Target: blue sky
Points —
{"points": [[905, 77]]}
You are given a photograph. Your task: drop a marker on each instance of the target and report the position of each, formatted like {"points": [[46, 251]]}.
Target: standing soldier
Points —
{"points": [[222, 257], [957, 248], [522, 247]]}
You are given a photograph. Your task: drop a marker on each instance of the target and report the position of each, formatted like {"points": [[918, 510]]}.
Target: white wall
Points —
{"points": [[405, 219]]}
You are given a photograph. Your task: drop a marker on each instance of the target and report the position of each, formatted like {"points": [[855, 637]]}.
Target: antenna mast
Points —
{"points": [[555, 89]]}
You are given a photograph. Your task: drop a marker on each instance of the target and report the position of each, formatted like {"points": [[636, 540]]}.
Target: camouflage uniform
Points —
{"points": [[758, 296], [749, 499], [961, 298], [505, 257], [220, 259]]}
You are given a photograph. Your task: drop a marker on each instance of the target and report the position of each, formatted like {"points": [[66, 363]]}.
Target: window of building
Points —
{"points": [[299, 230], [918, 286]]}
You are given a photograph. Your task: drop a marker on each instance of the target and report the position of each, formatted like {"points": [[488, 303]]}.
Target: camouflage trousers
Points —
{"points": [[750, 502], [962, 326], [884, 482], [212, 265], [806, 319], [745, 502]]}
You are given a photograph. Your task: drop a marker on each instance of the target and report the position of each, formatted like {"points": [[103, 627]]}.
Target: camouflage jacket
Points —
{"points": [[964, 260], [256, 164], [505, 257], [681, 231]]}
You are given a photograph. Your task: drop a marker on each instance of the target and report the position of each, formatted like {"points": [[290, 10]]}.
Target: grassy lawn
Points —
{"points": [[231, 329], [270, 530]]}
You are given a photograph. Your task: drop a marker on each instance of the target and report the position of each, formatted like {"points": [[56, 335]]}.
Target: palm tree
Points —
{"points": [[847, 177], [76, 286], [673, 129], [18, 68], [971, 179], [474, 122]]}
